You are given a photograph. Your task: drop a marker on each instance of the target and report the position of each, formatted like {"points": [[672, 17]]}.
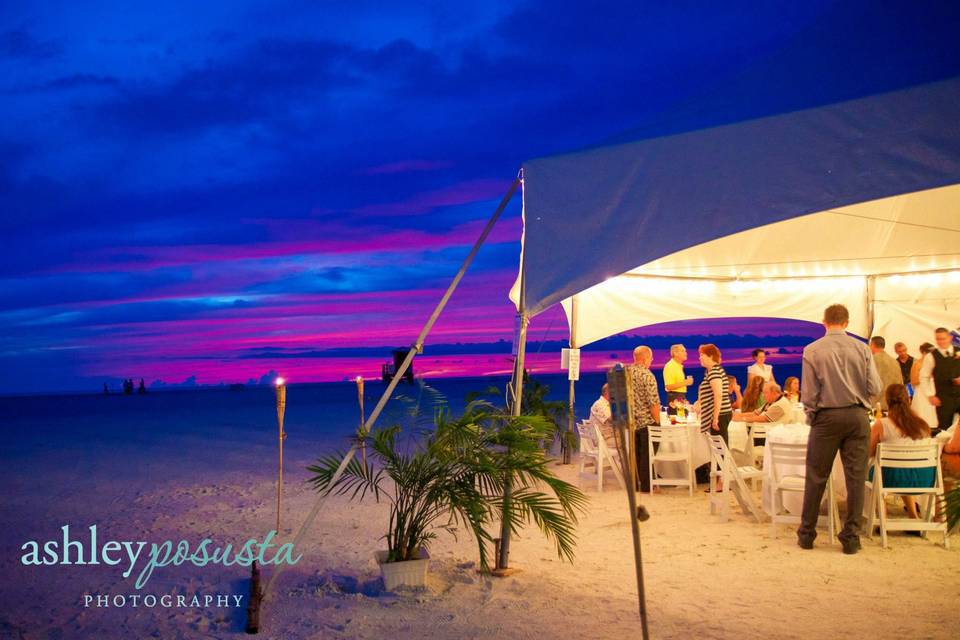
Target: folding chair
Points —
{"points": [[758, 431], [906, 456], [594, 449], [722, 466], [673, 445], [783, 454]]}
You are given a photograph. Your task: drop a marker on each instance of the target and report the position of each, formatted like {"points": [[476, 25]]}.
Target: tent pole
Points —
{"points": [[518, 371], [871, 295], [571, 413], [417, 348]]}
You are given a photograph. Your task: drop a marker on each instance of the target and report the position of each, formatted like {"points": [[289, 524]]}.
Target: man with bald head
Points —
{"points": [[644, 408], [675, 382], [778, 409]]}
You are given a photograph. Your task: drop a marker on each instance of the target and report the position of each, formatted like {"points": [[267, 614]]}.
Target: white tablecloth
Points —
{"points": [[793, 434], [700, 450]]}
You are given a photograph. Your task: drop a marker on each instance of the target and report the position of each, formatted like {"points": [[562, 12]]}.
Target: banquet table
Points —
{"points": [[700, 449]]}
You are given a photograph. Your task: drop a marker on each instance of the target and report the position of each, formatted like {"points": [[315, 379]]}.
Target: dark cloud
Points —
{"points": [[22, 44], [131, 150]]}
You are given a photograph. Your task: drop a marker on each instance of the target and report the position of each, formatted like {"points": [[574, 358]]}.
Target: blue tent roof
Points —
{"points": [[601, 212]]}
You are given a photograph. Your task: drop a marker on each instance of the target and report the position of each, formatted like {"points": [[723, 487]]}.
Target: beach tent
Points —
{"points": [[855, 202]]}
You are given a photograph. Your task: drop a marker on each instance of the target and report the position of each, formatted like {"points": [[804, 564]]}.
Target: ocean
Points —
{"points": [[176, 432]]}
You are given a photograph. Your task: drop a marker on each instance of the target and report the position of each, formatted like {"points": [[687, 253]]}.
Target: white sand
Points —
{"points": [[704, 578]]}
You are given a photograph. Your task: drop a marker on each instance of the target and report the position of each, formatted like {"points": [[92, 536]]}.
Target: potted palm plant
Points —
{"points": [[453, 477], [425, 492]]}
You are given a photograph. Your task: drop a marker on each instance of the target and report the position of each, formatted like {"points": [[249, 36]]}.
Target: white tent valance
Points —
{"points": [[868, 256]]}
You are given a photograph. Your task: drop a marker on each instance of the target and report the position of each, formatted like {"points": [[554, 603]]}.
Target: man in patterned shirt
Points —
{"points": [[644, 409]]}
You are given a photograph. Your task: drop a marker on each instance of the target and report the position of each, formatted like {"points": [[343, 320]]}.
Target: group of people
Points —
{"points": [[844, 380]]}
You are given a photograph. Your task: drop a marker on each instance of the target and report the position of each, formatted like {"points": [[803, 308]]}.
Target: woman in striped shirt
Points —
{"points": [[714, 394]]}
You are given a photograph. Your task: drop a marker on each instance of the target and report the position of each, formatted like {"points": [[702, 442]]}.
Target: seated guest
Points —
{"points": [[602, 418], [736, 398], [753, 396], [953, 446], [902, 426], [778, 409], [791, 388], [759, 368]]}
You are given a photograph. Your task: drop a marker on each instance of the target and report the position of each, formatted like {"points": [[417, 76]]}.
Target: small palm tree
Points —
{"points": [[455, 476], [510, 469], [425, 491], [535, 403]]}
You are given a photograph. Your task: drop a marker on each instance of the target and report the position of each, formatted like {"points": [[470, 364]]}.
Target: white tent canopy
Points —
{"points": [[803, 229]]}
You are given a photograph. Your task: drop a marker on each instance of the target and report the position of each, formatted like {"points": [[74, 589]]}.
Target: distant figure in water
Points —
{"points": [[141, 389], [106, 389], [128, 386]]}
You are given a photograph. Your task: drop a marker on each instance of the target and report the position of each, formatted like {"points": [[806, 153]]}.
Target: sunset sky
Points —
{"points": [[211, 189]]}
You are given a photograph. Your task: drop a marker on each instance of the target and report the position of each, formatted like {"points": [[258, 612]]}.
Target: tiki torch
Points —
{"points": [[360, 431], [282, 435]]}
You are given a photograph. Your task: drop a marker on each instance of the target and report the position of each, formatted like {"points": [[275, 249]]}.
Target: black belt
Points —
{"points": [[849, 406]]}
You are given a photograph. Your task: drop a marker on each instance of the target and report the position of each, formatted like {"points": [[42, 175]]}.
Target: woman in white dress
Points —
{"points": [[921, 404]]}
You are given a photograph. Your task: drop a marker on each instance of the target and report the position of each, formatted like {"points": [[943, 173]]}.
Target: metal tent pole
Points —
{"points": [[571, 413], [504, 556]]}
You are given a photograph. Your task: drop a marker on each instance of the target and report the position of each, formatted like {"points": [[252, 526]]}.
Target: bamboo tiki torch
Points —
{"points": [[360, 431], [282, 435]]}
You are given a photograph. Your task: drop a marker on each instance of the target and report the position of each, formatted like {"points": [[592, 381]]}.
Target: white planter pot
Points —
{"points": [[411, 573]]}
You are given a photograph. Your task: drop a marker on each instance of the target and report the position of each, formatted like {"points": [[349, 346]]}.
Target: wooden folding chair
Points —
{"points": [[783, 454], [673, 445], [594, 449], [920, 455], [722, 466]]}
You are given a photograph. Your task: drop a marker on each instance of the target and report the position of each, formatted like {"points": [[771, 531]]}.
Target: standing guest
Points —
{"points": [[905, 360], [839, 379], [941, 370], [902, 426], [602, 418], [922, 391], [714, 394], [675, 383], [791, 388], [645, 410], [887, 368], [759, 368], [753, 396], [736, 398], [778, 409]]}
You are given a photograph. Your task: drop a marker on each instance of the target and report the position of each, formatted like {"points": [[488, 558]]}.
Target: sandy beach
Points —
{"points": [[704, 578]]}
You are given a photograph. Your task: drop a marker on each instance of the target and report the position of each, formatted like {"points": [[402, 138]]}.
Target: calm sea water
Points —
{"points": [[196, 423]]}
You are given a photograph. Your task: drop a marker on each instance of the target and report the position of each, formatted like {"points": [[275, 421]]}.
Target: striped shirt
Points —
{"points": [[705, 395]]}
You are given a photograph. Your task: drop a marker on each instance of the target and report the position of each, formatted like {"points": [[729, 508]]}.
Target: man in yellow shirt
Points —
{"points": [[674, 381]]}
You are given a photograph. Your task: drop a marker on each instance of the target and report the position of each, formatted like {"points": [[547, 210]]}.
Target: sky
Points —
{"points": [[209, 191]]}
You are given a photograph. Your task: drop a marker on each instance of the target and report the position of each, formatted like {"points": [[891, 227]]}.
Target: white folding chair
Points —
{"points": [[758, 431], [594, 449], [795, 455], [723, 466], [918, 455], [673, 445]]}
